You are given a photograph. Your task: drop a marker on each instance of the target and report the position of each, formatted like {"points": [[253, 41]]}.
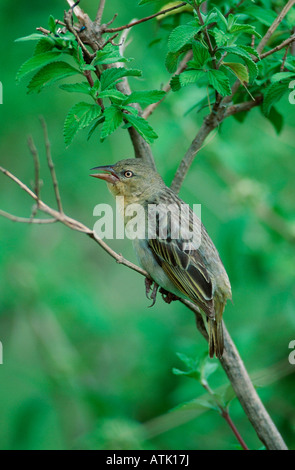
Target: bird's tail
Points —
{"points": [[215, 333]]}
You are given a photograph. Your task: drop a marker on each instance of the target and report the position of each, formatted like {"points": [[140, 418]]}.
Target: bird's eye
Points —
{"points": [[128, 174]]}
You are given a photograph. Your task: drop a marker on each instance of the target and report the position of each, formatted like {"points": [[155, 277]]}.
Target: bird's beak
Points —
{"points": [[110, 177]]}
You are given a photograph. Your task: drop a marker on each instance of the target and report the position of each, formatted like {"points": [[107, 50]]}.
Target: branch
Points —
{"points": [[182, 66], [285, 43], [231, 361], [147, 18], [274, 25], [24, 220], [100, 12], [245, 391]]}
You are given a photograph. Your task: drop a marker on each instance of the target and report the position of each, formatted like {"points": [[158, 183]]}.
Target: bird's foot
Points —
{"points": [[168, 297], [153, 296]]}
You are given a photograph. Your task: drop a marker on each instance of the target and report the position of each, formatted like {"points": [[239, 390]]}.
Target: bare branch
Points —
{"points": [[285, 43], [35, 156], [77, 10], [182, 66], [274, 25], [240, 107], [244, 389], [25, 220], [100, 12], [51, 165], [147, 18]]}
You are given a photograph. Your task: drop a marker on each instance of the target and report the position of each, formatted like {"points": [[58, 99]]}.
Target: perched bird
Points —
{"points": [[191, 271]]}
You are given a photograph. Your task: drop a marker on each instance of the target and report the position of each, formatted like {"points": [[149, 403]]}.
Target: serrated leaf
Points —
{"points": [[109, 55], [201, 55], [31, 37], [185, 78], [110, 77], [113, 119], [79, 116], [144, 98], [52, 24], [171, 61], [94, 126], [221, 17], [112, 93], [50, 74], [273, 94], [45, 44], [180, 36], [250, 50], [83, 87], [36, 62], [239, 70], [219, 81], [252, 67], [220, 37], [244, 28], [142, 127], [282, 76]]}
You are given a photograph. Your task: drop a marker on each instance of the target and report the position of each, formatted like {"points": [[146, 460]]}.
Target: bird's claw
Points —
{"points": [[153, 296], [168, 297]]}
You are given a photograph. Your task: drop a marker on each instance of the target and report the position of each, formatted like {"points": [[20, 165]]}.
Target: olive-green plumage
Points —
{"points": [[196, 273]]}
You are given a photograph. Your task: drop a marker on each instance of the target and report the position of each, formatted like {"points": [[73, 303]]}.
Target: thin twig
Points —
{"points": [[51, 165], [147, 18], [35, 156], [225, 414], [285, 43], [274, 25], [182, 66], [282, 68], [25, 220]]}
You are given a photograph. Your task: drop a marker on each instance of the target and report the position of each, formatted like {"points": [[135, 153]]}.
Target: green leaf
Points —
{"points": [[221, 17], [35, 62], [244, 28], [109, 55], [185, 78], [282, 76], [112, 93], [250, 50], [201, 56], [220, 37], [273, 94], [83, 87], [79, 116], [263, 15], [171, 61], [228, 395], [31, 37], [94, 126], [180, 36], [144, 98], [113, 119], [52, 24], [142, 127], [240, 70], [219, 81], [110, 77], [45, 44], [50, 74], [252, 67]]}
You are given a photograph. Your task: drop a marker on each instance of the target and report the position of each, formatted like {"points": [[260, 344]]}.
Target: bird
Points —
{"points": [[192, 271]]}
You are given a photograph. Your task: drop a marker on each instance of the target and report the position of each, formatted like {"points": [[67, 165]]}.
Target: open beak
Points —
{"points": [[110, 177]]}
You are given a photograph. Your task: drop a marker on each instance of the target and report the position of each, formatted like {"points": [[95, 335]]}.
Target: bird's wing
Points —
{"points": [[186, 270]]}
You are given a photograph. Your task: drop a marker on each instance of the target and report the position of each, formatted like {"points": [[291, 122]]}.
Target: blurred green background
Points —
{"points": [[86, 363]]}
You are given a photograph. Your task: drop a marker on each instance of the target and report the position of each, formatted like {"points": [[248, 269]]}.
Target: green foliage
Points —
{"points": [[50, 74], [80, 116]]}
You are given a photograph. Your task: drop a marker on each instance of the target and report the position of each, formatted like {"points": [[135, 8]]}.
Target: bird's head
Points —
{"points": [[132, 178]]}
